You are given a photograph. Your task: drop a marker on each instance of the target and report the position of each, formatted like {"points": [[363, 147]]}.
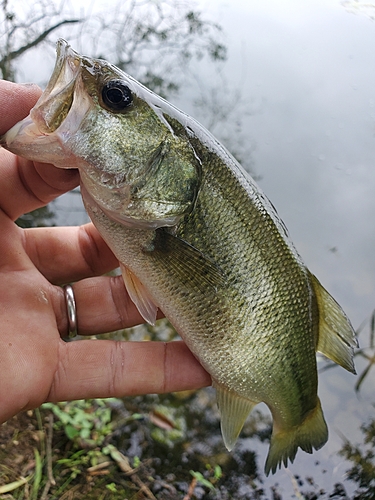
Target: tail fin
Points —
{"points": [[311, 434]]}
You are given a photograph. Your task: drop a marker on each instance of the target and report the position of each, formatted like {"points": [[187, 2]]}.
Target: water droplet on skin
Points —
{"points": [[42, 296]]}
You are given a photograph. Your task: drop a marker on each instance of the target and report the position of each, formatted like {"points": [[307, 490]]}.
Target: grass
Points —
{"points": [[60, 452]]}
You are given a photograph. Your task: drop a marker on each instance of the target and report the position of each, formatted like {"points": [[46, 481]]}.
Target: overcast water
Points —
{"points": [[306, 72]]}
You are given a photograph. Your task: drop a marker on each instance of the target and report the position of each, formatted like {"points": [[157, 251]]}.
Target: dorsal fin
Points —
{"points": [[337, 337]]}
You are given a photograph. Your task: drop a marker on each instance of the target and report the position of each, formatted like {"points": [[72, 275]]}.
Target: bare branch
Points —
{"points": [[16, 53]]}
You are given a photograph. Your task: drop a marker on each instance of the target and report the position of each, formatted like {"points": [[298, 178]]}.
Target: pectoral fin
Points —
{"points": [[186, 262], [234, 410], [139, 295], [337, 338]]}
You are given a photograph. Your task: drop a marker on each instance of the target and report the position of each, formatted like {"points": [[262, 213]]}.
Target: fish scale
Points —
{"points": [[251, 340], [197, 238]]}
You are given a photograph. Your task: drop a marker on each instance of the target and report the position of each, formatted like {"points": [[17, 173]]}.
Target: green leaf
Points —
{"points": [[37, 475], [85, 433], [218, 472], [6, 488], [71, 432], [111, 487], [202, 480]]}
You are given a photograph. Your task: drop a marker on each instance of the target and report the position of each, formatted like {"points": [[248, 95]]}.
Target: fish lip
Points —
{"points": [[46, 116], [56, 100], [66, 58], [40, 135]]}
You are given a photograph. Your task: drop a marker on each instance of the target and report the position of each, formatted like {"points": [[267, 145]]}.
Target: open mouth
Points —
{"points": [[40, 136], [55, 102]]}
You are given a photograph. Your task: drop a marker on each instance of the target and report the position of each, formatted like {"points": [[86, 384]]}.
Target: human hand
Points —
{"points": [[36, 364]]}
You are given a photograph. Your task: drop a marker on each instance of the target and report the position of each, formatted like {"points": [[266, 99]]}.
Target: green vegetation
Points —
{"points": [[86, 423]]}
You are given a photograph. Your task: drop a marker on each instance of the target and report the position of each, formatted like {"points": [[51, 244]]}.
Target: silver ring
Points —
{"points": [[71, 309]]}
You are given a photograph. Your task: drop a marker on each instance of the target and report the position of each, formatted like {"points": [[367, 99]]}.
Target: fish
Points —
{"points": [[196, 238]]}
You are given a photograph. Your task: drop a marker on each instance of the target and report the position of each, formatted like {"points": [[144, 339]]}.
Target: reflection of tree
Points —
{"points": [[361, 455], [22, 30], [363, 458], [154, 41], [222, 109], [360, 7], [368, 353]]}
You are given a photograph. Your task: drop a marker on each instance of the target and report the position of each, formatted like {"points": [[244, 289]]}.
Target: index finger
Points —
{"points": [[106, 368]]}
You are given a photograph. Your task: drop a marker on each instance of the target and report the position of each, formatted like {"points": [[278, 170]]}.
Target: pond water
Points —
{"points": [[306, 76]]}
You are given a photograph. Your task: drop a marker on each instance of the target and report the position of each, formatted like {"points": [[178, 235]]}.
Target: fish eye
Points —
{"points": [[116, 95]]}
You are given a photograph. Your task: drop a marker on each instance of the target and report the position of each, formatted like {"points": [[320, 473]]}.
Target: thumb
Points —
{"points": [[16, 100]]}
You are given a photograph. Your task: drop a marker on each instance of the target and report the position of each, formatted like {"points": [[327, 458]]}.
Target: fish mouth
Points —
{"points": [[36, 136], [56, 101]]}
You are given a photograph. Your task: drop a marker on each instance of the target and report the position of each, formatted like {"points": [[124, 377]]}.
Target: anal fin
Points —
{"points": [[234, 410], [139, 295], [337, 337]]}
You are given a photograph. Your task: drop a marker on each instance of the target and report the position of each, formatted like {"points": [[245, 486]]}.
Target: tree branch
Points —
{"points": [[16, 53]]}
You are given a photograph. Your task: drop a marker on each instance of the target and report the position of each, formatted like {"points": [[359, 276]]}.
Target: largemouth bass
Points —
{"points": [[196, 238]]}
